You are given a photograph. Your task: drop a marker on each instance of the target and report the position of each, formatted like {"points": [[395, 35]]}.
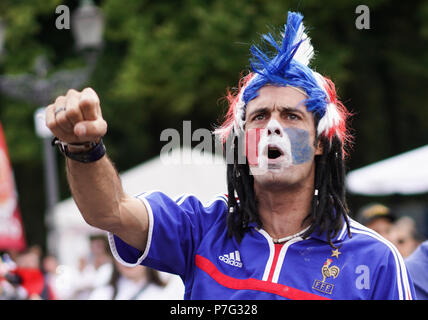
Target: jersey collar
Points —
{"points": [[316, 234], [341, 235]]}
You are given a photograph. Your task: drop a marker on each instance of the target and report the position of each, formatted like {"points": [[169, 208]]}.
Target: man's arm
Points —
{"points": [[96, 186]]}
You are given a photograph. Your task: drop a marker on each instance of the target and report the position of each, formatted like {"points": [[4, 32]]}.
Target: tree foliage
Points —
{"points": [[168, 61]]}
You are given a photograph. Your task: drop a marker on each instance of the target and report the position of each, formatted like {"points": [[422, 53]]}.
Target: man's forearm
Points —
{"points": [[97, 190], [76, 119]]}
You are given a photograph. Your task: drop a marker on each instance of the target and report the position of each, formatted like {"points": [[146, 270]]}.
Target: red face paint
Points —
{"points": [[252, 138]]}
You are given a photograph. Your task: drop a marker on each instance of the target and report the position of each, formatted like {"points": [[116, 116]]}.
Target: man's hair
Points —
{"points": [[289, 66]]}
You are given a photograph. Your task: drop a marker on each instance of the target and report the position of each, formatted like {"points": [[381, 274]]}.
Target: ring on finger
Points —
{"points": [[58, 110]]}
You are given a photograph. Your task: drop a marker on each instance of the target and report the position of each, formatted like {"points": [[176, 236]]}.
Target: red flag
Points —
{"points": [[11, 228]]}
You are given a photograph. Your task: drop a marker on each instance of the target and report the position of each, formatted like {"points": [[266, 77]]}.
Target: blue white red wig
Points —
{"points": [[288, 65]]}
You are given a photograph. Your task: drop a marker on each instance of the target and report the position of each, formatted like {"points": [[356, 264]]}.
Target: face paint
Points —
{"points": [[293, 144], [252, 139], [301, 148]]}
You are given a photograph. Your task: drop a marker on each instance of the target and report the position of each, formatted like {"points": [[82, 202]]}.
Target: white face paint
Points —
{"points": [[274, 148]]}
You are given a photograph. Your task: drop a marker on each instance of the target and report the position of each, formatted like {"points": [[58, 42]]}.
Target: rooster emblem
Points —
{"points": [[328, 271]]}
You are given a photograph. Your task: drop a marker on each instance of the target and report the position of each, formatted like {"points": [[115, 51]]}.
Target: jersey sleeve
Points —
{"points": [[176, 228], [393, 282]]}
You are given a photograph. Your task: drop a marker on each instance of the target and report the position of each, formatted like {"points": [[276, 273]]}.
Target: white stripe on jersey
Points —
{"points": [[180, 199], [184, 197], [402, 278], [271, 253], [343, 232], [220, 196]]}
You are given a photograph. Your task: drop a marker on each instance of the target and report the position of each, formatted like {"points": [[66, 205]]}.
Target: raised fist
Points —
{"points": [[76, 117]]}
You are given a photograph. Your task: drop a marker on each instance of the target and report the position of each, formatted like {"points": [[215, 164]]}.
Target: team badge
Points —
{"points": [[328, 271]]}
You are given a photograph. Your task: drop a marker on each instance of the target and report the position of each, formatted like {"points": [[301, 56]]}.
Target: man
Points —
{"points": [[377, 217], [283, 231], [405, 236]]}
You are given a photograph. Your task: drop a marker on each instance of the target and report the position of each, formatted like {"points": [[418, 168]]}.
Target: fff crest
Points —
{"points": [[327, 271]]}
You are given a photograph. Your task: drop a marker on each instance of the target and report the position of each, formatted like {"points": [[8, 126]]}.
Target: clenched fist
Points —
{"points": [[76, 117]]}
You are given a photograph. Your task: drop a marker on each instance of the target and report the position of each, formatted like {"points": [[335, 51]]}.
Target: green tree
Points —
{"points": [[165, 62]]}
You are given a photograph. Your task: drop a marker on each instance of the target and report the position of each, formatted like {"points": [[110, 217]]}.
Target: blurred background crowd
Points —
{"points": [[156, 64], [31, 275]]}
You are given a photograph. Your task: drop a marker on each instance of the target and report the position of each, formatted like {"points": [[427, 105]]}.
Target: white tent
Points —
{"points": [[406, 173], [184, 171]]}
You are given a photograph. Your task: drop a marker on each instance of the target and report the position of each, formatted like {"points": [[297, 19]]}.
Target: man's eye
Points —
{"points": [[293, 116], [259, 117]]}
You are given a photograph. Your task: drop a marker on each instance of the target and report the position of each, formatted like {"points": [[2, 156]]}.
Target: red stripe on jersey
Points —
{"points": [[253, 284], [278, 247]]}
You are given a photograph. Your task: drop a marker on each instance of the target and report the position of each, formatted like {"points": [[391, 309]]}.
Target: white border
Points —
{"points": [[149, 236]]}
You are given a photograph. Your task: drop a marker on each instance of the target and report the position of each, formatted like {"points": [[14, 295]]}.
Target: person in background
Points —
{"points": [[51, 272], [131, 283], [377, 217], [97, 271], [26, 280], [417, 265], [8, 289], [405, 236]]}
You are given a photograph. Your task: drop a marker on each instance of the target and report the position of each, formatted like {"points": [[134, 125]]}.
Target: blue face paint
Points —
{"points": [[301, 148]]}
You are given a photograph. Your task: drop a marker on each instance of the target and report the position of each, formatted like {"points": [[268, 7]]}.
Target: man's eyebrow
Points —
{"points": [[259, 110], [285, 108], [291, 109]]}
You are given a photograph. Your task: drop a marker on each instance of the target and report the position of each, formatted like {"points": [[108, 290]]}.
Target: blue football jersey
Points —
{"points": [[190, 239]]}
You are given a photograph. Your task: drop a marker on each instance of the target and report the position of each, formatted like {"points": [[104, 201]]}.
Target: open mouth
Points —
{"points": [[273, 158], [274, 152]]}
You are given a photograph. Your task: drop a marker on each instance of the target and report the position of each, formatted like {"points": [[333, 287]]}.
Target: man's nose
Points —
{"points": [[274, 128]]}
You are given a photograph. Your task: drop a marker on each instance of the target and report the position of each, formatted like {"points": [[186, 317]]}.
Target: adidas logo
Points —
{"points": [[233, 258]]}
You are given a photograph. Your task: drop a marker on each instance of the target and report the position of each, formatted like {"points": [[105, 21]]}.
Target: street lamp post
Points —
{"points": [[50, 167], [40, 90], [87, 25], [2, 35]]}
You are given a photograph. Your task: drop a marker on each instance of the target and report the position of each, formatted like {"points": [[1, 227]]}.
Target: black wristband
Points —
{"points": [[97, 151]]}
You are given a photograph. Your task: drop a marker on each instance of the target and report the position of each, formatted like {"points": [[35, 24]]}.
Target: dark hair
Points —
{"points": [[328, 207], [152, 277]]}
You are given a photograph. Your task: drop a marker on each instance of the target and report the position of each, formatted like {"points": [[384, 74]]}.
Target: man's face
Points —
{"points": [[280, 138], [382, 226]]}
